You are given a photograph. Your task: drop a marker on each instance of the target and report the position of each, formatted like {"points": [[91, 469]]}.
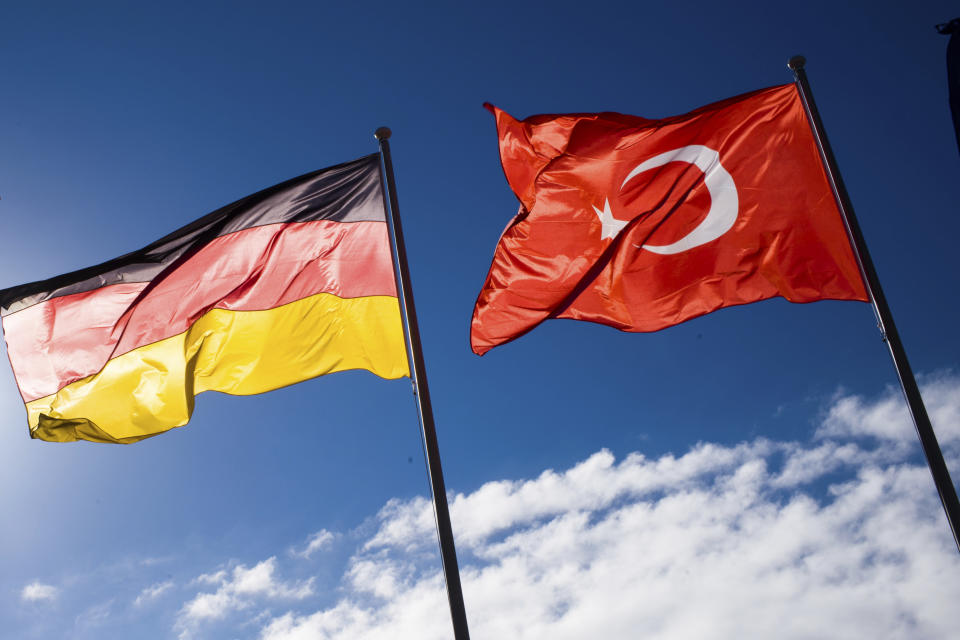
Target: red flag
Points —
{"points": [[642, 224]]}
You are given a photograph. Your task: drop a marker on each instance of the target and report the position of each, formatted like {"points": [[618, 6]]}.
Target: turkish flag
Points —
{"points": [[642, 224]]}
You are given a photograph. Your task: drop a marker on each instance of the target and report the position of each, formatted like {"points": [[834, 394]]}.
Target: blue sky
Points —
{"points": [[749, 473]]}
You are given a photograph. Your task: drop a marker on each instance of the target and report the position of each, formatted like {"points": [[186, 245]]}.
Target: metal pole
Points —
{"points": [[888, 330], [448, 551]]}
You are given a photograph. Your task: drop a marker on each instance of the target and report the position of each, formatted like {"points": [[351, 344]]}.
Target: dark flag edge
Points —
{"points": [[952, 29]]}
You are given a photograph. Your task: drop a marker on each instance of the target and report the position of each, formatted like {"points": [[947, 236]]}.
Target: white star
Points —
{"points": [[611, 226]]}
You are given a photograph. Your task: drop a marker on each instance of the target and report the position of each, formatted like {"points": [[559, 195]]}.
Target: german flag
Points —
{"points": [[293, 282]]}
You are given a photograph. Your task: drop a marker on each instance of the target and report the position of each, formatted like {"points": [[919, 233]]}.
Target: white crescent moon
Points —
{"points": [[724, 203]]}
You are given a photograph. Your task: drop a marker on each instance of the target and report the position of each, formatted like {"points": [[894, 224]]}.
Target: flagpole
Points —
{"points": [[888, 330], [441, 511]]}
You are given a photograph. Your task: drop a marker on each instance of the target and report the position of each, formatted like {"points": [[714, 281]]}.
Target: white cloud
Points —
{"points": [[211, 606], [150, 562], [319, 540], [840, 536], [765, 539], [210, 578], [152, 592], [886, 417], [95, 616], [501, 505], [37, 591], [238, 589], [725, 556], [373, 576], [803, 465]]}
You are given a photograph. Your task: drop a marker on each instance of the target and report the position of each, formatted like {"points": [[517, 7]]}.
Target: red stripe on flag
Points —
{"points": [[65, 339]]}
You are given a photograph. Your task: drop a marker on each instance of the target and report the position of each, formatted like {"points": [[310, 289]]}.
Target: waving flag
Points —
{"points": [[642, 224], [290, 283]]}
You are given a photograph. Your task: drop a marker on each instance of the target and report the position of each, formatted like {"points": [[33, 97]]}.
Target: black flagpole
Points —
{"points": [[941, 476], [448, 551]]}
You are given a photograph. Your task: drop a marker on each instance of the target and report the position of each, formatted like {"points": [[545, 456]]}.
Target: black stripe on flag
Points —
{"points": [[348, 192]]}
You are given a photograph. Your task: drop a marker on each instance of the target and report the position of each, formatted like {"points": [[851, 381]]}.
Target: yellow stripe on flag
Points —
{"points": [[151, 389]]}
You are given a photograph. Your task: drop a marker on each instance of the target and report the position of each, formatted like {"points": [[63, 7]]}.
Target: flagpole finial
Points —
{"points": [[383, 133], [796, 62]]}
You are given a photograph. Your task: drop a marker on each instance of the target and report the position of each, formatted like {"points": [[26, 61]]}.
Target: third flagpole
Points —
{"points": [[448, 551], [928, 440]]}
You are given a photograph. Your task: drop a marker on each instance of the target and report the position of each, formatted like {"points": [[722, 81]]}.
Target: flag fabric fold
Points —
{"points": [[290, 283], [642, 224]]}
